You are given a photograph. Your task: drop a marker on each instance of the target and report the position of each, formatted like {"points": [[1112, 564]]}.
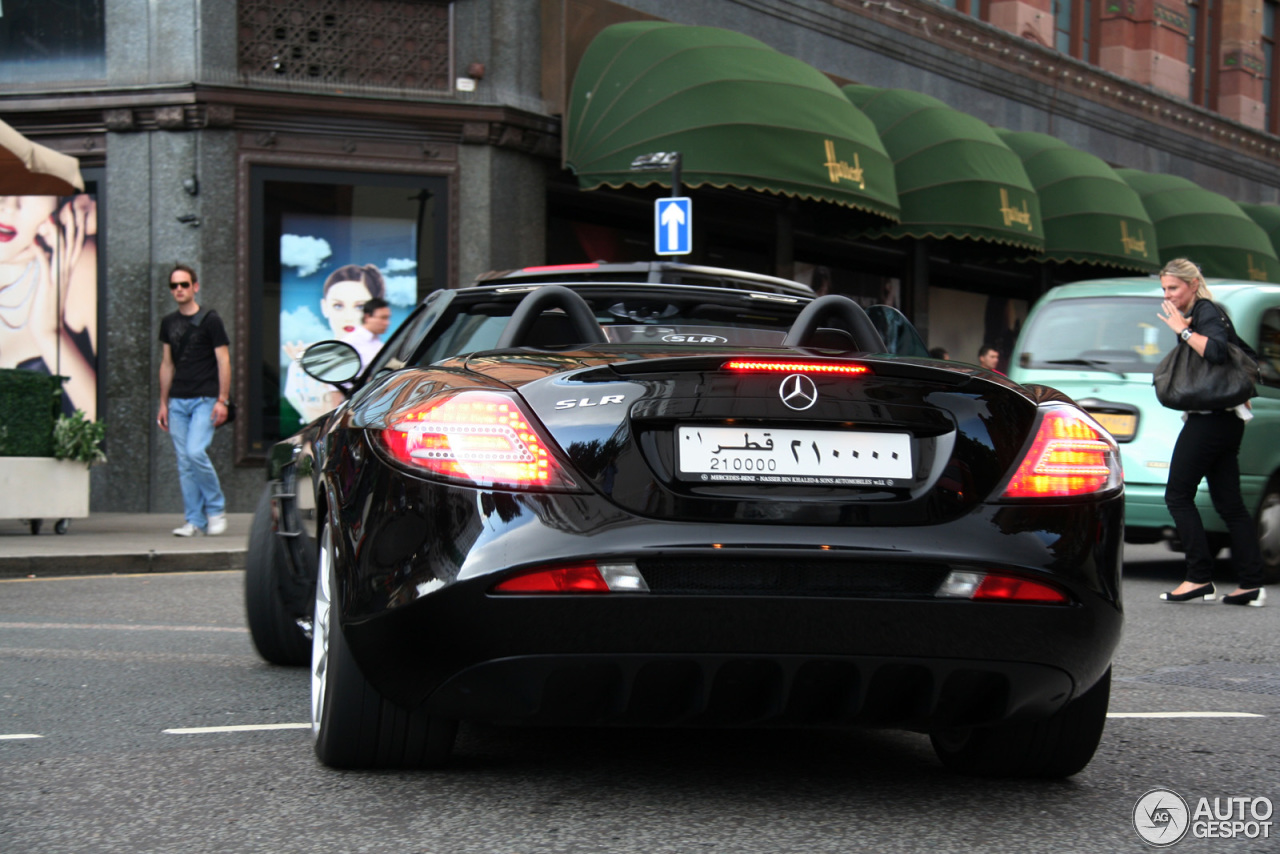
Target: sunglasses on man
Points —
{"points": [[173, 286]]}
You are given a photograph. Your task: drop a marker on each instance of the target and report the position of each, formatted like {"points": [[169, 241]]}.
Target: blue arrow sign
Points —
{"points": [[672, 225]]}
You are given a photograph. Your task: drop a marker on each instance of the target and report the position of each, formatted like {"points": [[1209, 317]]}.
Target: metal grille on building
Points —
{"points": [[386, 44]]}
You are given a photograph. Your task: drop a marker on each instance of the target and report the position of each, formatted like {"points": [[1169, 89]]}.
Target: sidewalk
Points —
{"points": [[106, 543]]}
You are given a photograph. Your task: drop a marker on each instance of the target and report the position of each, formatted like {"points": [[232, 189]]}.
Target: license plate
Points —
{"points": [[794, 457], [1120, 426]]}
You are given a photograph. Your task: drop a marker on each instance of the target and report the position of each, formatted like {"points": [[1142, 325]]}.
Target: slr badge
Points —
{"points": [[798, 392]]}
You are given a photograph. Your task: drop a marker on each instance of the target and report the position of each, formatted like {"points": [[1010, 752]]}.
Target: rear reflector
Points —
{"points": [[479, 437], [795, 367], [1070, 455], [994, 587], [577, 578]]}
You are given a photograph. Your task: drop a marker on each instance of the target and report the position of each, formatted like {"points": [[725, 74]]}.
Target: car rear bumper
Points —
{"points": [[749, 690], [803, 625]]}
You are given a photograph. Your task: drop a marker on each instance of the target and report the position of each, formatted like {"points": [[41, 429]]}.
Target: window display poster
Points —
{"points": [[49, 292], [330, 266]]}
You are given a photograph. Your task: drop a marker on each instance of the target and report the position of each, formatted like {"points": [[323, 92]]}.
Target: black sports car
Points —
{"points": [[643, 504]]}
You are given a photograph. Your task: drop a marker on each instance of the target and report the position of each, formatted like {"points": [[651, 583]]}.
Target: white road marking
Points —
{"points": [[201, 730], [64, 578], [1183, 715], [122, 627], [18, 735]]}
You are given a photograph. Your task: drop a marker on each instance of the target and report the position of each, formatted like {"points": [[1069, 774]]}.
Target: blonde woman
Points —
{"points": [[1208, 448]]}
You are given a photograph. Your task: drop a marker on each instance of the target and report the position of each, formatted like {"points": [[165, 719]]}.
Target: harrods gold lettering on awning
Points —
{"points": [[1090, 215], [740, 113], [956, 179], [1204, 226]]}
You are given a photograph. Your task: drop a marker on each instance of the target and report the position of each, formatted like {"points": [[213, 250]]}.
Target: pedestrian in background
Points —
{"points": [[374, 323], [989, 358], [940, 353], [1208, 448], [195, 388]]}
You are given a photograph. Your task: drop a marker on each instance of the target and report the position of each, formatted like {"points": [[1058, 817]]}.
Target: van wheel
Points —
{"points": [[1269, 533]]}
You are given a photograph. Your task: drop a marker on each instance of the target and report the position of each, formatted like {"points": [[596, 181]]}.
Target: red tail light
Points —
{"points": [[560, 268], [1069, 456], [585, 577], [579, 578], [979, 586], [795, 367], [479, 437], [1006, 588]]}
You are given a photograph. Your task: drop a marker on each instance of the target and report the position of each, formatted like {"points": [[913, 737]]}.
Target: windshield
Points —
{"points": [[1117, 334]]}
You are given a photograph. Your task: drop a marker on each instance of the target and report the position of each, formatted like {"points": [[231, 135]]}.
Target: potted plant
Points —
{"points": [[44, 457]]}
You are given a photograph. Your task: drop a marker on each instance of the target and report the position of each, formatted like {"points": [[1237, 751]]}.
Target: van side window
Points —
{"points": [[1269, 347]]}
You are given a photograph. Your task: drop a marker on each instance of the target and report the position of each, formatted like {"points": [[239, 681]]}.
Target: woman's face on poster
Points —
{"points": [[20, 221], [343, 306]]}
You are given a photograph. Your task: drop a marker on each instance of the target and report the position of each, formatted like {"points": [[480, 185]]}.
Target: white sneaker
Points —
{"points": [[189, 530], [217, 525]]}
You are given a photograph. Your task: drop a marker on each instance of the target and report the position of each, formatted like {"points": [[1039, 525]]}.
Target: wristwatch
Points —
{"points": [[226, 402], [1185, 334]]}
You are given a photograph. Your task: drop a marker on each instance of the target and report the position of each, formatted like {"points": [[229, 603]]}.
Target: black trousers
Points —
{"points": [[1208, 448]]}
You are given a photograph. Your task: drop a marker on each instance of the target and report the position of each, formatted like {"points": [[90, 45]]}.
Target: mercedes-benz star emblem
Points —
{"points": [[798, 391]]}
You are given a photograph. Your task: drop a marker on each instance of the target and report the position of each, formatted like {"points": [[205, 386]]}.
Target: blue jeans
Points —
{"points": [[191, 427]]}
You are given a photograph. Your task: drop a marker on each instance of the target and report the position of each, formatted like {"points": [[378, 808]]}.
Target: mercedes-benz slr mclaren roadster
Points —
{"points": [[646, 504]]}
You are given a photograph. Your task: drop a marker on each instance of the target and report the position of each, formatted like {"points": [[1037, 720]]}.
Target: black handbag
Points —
{"points": [[231, 413], [1187, 381]]}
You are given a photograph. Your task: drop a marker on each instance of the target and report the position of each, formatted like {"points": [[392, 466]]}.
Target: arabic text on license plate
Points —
{"points": [[818, 457]]}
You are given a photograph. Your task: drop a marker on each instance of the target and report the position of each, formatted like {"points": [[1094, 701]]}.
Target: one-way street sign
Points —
{"points": [[672, 225]]}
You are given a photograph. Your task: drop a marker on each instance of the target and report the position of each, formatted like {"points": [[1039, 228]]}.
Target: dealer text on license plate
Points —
{"points": [[805, 457]]}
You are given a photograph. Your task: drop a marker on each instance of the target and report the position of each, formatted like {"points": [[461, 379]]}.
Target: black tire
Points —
{"points": [[1055, 747], [353, 725], [1268, 523], [61, 526], [273, 625]]}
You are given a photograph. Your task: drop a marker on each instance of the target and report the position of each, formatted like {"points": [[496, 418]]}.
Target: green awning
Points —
{"points": [[1205, 227], [1268, 217], [740, 113], [1090, 215], [956, 179]]}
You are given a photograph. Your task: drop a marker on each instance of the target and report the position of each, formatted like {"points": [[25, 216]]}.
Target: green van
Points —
{"points": [[1099, 342]]}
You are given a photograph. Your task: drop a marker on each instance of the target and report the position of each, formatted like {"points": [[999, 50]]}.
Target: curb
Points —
{"points": [[46, 566]]}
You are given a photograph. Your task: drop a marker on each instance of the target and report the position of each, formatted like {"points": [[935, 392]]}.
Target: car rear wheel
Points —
{"points": [[1058, 746], [1269, 533], [353, 725], [273, 625]]}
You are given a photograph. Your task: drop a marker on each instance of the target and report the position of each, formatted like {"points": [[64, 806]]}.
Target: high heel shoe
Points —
{"points": [[1254, 598], [1204, 591]]}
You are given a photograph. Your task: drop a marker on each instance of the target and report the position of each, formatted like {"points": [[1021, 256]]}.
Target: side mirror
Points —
{"points": [[331, 362]]}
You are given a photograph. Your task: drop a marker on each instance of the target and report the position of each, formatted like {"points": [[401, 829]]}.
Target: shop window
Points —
{"points": [[391, 44], [1269, 347], [323, 244], [52, 41]]}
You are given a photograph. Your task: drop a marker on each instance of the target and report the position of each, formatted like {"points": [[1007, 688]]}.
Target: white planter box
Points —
{"points": [[43, 488]]}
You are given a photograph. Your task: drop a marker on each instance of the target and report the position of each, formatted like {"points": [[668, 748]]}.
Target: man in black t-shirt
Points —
{"points": [[195, 386]]}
